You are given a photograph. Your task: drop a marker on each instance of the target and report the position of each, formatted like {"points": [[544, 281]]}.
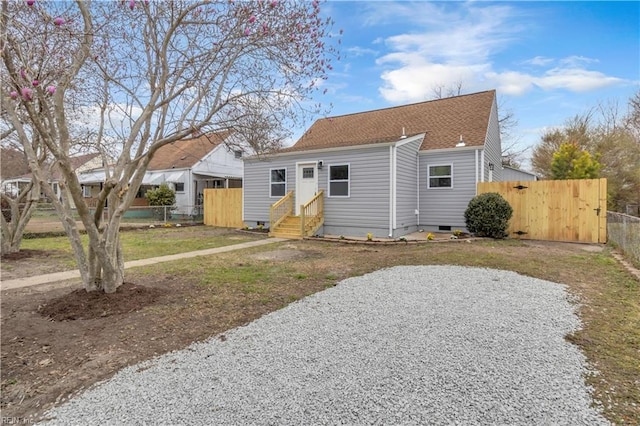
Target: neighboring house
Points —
{"points": [[79, 163], [510, 173], [187, 166], [13, 171], [388, 172]]}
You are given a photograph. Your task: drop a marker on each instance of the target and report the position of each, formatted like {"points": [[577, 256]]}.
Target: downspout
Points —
{"points": [[395, 186], [418, 187], [482, 166], [476, 151], [391, 176], [191, 190]]}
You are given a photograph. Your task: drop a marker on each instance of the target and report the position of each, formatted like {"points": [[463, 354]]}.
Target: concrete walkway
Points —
{"points": [[67, 275]]}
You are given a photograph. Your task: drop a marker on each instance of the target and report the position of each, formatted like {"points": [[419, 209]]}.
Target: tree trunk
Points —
{"points": [[13, 231], [106, 270]]}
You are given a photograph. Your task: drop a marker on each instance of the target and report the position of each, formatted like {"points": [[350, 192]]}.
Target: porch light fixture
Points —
{"points": [[320, 165], [491, 166]]}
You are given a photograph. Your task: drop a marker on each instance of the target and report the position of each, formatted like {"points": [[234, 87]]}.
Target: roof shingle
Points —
{"points": [[186, 153], [443, 121]]}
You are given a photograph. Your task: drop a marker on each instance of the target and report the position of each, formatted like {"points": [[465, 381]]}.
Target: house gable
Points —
{"points": [[184, 154]]}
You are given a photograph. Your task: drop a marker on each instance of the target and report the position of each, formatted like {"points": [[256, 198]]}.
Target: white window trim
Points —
{"points": [[429, 166], [86, 191], [286, 173], [329, 181], [175, 187]]}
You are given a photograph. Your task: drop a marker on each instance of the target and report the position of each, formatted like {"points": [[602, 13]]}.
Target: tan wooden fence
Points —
{"points": [[555, 210], [223, 207]]}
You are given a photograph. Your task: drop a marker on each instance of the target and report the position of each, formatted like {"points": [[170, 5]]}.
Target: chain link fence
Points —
{"points": [[623, 231], [45, 219]]}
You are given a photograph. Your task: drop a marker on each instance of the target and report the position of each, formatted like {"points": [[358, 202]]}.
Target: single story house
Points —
{"points": [[388, 172], [188, 167], [80, 163]]}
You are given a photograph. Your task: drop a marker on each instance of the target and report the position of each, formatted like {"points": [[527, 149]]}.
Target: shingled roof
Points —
{"points": [[186, 153], [13, 163], [443, 121]]}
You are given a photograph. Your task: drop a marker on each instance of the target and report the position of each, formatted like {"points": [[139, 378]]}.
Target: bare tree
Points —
{"points": [[606, 134], [632, 121], [168, 71], [19, 203], [575, 130], [441, 91]]}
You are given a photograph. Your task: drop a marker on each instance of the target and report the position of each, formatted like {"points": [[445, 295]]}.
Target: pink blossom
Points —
{"points": [[31, 2], [13, 94], [27, 94], [35, 83], [58, 21], [247, 32], [23, 74], [51, 90], [132, 4], [252, 19], [273, 4], [265, 28]]}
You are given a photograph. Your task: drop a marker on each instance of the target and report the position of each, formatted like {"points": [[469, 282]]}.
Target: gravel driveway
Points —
{"points": [[407, 345]]}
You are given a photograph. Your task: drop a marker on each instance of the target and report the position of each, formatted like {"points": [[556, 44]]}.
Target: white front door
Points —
{"points": [[306, 183]]}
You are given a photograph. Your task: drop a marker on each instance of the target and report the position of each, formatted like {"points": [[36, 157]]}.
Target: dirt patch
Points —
{"points": [[83, 305], [26, 263]]}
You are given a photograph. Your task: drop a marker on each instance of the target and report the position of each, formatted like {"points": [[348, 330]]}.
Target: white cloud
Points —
{"points": [[511, 82], [572, 79], [448, 48], [357, 51], [577, 61], [456, 48], [575, 80], [539, 61], [417, 82]]}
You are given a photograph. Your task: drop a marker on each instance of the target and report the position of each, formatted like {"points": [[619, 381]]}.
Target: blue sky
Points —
{"points": [[548, 60]]}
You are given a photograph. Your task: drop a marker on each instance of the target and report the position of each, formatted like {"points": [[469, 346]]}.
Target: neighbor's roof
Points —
{"points": [[443, 121], [76, 162], [186, 153], [13, 163]]}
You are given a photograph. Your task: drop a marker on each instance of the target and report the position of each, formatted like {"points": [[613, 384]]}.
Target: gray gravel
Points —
{"points": [[406, 345]]}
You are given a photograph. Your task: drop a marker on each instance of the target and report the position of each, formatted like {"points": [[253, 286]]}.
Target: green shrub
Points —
{"points": [[488, 215], [161, 196]]}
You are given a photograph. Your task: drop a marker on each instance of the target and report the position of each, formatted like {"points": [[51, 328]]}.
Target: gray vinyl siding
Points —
{"points": [[256, 189], [509, 174], [493, 147], [365, 210], [367, 207], [446, 206], [406, 187]]}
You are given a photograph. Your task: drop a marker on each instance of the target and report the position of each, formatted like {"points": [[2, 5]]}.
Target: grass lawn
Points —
{"points": [[145, 243]]}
